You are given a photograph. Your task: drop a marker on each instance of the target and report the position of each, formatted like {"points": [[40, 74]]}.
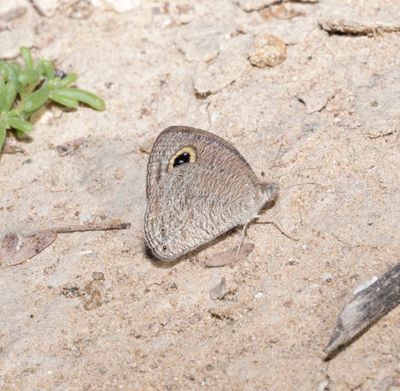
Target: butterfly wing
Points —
{"points": [[202, 147], [194, 204]]}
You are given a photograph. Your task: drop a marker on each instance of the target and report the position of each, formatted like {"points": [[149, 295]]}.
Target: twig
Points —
{"points": [[341, 27], [114, 224], [366, 308], [35, 242]]}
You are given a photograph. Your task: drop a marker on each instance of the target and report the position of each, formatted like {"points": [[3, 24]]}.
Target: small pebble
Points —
{"points": [[327, 277], [323, 385], [85, 217], [147, 145], [86, 252], [259, 295], [268, 51], [119, 173], [71, 291], [98, 276], [93, 302], [220, 290]]}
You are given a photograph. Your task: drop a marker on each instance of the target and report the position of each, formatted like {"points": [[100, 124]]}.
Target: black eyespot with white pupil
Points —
{"points": [[164, 247], [182, 159]]}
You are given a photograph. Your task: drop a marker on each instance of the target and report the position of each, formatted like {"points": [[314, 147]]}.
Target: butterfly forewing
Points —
{"points": [[208, 149]]}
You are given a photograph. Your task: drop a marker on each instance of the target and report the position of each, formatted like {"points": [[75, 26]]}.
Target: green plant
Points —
{"points": [[24, 89]]}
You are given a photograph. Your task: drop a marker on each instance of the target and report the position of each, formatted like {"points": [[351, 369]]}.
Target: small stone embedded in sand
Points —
{"points": [[80, 10], [324, 385], [71, 290], [98, 276], [268, 51], [147, 145], [280, 11], [327, 277], [86, 217], [258, 295], [220, 290], [71, 147], [94, 292], [119, 173]]}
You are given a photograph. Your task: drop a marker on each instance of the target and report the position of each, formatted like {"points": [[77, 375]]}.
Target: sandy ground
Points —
{"points": [[332, 108]]}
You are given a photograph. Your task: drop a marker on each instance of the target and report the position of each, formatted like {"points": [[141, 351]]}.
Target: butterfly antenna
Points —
{"points": [[273, 163]]}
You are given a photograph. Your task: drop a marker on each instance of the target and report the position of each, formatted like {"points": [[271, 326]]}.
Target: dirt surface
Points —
{"points": [[331, 108]]}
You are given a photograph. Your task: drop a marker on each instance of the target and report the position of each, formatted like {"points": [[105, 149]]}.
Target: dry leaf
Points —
{"points": [[230, 256], [9, 247], [31, 247]]}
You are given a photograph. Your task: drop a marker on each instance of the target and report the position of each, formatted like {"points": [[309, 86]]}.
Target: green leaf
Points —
{"points": [[7, 97], [8, 72], [16, 66], [2, 92], [39, 68], [85, 97], [19, 124], [19, 134], [48, 69], [58, 97], [27, 77], [36, 100], [27, 57], [3, 133], [68, 80]]}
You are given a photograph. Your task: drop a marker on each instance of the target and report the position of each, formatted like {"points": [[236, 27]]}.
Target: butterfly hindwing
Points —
{"points": [[195, 204]]}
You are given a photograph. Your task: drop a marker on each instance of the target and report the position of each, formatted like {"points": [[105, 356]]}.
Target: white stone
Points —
{"points": [[259, 295]]}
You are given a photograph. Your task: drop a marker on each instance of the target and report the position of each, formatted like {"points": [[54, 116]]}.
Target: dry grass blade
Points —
{"points": [[342, 27]]}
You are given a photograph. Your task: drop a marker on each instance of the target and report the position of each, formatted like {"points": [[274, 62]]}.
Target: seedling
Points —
{"points": [[25, 89]]}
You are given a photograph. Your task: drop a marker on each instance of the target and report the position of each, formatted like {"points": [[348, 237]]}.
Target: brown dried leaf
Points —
{"points": [[9, 247], [230, 256], [31, 247]]}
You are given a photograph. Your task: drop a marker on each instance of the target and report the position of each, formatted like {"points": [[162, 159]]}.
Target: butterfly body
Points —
{"points": [[198, 188]]}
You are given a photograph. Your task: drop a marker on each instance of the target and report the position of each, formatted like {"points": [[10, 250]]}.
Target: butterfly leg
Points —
{"points": [[242, 237]]}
